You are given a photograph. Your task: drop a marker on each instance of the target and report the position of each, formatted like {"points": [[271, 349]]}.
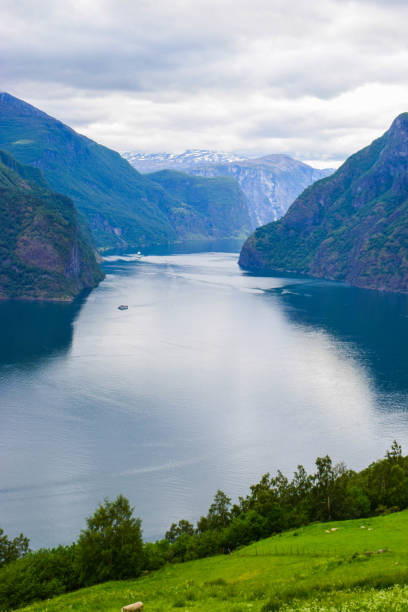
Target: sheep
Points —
{"points": [[132, 607]]}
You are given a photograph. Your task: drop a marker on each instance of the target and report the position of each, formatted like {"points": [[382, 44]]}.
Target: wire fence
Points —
{"points": [[290, 551]]}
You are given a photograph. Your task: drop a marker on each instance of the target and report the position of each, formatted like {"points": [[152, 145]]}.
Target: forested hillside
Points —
{"points": [[43, 252], [351, 226]]}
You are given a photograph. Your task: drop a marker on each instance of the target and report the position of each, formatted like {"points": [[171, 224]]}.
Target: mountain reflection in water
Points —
{"points": [[376, 323], [31, 330]]}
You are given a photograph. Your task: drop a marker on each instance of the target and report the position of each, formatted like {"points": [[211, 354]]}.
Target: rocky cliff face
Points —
{"points": [[351, 226], [270, 183], [43, 254]]}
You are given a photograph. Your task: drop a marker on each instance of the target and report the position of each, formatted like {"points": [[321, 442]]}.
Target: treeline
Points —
{"points": [[111, 547]]}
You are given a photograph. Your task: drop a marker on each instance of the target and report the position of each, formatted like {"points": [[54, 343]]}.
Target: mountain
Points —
{"points": [[43, 254], [121, 207], [205, 207], [270, 183], [351, 226]]}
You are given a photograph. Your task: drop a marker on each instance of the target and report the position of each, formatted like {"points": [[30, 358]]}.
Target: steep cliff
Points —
{"points": [[43, 254], [351, 226]]}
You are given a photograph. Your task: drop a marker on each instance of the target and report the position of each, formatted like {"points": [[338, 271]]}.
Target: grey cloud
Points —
{"points": [[133, 47], [214, 73]]}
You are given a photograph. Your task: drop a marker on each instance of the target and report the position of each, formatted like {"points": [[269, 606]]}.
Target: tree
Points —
{"points": [[301, 484], [10, 550], [263, 496], [386, 480], [244, 529], [330, 482], [356, 503], [176, 530], [394, 455], [111, 548], [219, 514]]}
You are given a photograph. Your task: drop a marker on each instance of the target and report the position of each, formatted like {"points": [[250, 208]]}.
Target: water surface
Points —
{"points": [[211, 378]]}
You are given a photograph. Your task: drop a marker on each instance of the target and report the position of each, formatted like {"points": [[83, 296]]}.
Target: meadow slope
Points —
{"points": [[343, 565]]}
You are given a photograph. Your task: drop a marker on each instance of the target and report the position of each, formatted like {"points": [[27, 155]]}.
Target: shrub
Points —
{"points": [[38, 575]]}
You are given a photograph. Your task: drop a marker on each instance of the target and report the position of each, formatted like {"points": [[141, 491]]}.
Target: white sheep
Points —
{"points": [[132, 607]]}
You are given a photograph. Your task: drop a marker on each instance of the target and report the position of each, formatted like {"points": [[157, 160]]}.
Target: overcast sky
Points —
{"points": [[316, 80]]}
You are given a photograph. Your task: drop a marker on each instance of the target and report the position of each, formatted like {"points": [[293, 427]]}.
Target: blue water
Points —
{"points": [[211, 378]]}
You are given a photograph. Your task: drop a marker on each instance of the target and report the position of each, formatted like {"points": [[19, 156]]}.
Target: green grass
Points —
{"points": [[304, 569]]}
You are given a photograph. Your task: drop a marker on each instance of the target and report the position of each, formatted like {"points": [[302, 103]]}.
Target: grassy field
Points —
{"points": [[363, 565]]}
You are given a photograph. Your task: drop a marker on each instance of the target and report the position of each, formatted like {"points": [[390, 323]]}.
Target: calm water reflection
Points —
{"points": [[211, 378], [30, 331]]}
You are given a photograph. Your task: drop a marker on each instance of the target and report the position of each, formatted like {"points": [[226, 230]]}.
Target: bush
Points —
{"points": [[244, 529], [156, 554], [38, 575]]}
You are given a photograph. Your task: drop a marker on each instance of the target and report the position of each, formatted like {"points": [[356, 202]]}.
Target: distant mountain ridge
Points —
{"points": [[43, 253], [351, 226], [152, 162], [270, 183], [122, 208]]}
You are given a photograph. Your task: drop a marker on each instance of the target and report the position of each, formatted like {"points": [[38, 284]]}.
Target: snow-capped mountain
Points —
{"points": [[151, 162], [270, 183]]}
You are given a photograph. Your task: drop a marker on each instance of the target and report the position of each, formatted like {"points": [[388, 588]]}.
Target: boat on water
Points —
{"points": [[123, 307]]}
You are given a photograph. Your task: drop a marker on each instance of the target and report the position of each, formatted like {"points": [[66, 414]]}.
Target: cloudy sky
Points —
{"points": [[316, 80]]}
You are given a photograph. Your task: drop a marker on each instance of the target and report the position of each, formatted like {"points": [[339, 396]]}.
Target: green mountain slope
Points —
{"points": [[351, 226], [318, 568], [204, 207], [43, 253], [122, 207]]}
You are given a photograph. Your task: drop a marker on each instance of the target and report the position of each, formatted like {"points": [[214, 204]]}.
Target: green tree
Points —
{"points": [[111, 548], [356, 503], [330, 482], [394, 454], [263, 496], [219, 513], [386, 481], [176, 530], [10, 550], [244, 529]]}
